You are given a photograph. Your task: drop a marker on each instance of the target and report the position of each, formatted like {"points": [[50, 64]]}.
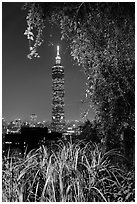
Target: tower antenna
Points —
{"points": [[58, 58], [57, 50]]}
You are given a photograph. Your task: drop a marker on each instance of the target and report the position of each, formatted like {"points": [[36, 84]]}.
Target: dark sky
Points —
{"points": [[26, 84]]}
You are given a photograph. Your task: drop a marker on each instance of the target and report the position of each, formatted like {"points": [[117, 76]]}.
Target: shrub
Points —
{"points": [[68, 172]]}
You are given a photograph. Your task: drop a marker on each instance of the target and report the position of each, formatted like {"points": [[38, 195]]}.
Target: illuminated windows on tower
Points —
{"points": [[58, 118]]}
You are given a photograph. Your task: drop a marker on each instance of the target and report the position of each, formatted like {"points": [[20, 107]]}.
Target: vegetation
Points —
{"points": [[102, 40], [68, 172]]}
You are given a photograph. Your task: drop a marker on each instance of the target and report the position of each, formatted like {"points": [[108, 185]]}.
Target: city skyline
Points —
{"points": [[27, 84]]}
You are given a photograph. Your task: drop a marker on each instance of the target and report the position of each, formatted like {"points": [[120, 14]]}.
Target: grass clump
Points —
{"points": [[67, 172]]}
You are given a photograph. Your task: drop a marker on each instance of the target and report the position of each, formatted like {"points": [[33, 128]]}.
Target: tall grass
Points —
{"points": [[68, 172]]}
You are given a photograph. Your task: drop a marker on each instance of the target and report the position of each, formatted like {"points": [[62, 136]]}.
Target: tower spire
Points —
{"points": [[58, 58], [57, 50]]}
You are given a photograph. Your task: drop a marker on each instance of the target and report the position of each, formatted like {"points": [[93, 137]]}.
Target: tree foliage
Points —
{"points": [[101, 37]]}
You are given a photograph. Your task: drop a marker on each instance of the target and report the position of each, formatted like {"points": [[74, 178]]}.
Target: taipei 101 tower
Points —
{"points": [[58, 118]]}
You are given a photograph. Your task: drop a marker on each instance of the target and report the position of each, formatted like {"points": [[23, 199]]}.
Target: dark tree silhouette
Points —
{"points": [[101, 38]]}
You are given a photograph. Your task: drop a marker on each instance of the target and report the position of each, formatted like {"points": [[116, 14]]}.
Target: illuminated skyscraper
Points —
{"points": [[58, 118]]}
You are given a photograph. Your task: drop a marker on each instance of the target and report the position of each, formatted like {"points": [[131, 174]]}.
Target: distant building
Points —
{"points": [[17, 123], [58, 117], [4, 126], [4, 131], [33, 120]]}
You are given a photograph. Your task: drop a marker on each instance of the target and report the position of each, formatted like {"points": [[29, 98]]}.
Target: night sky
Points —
{"points": [[26, 84]]}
